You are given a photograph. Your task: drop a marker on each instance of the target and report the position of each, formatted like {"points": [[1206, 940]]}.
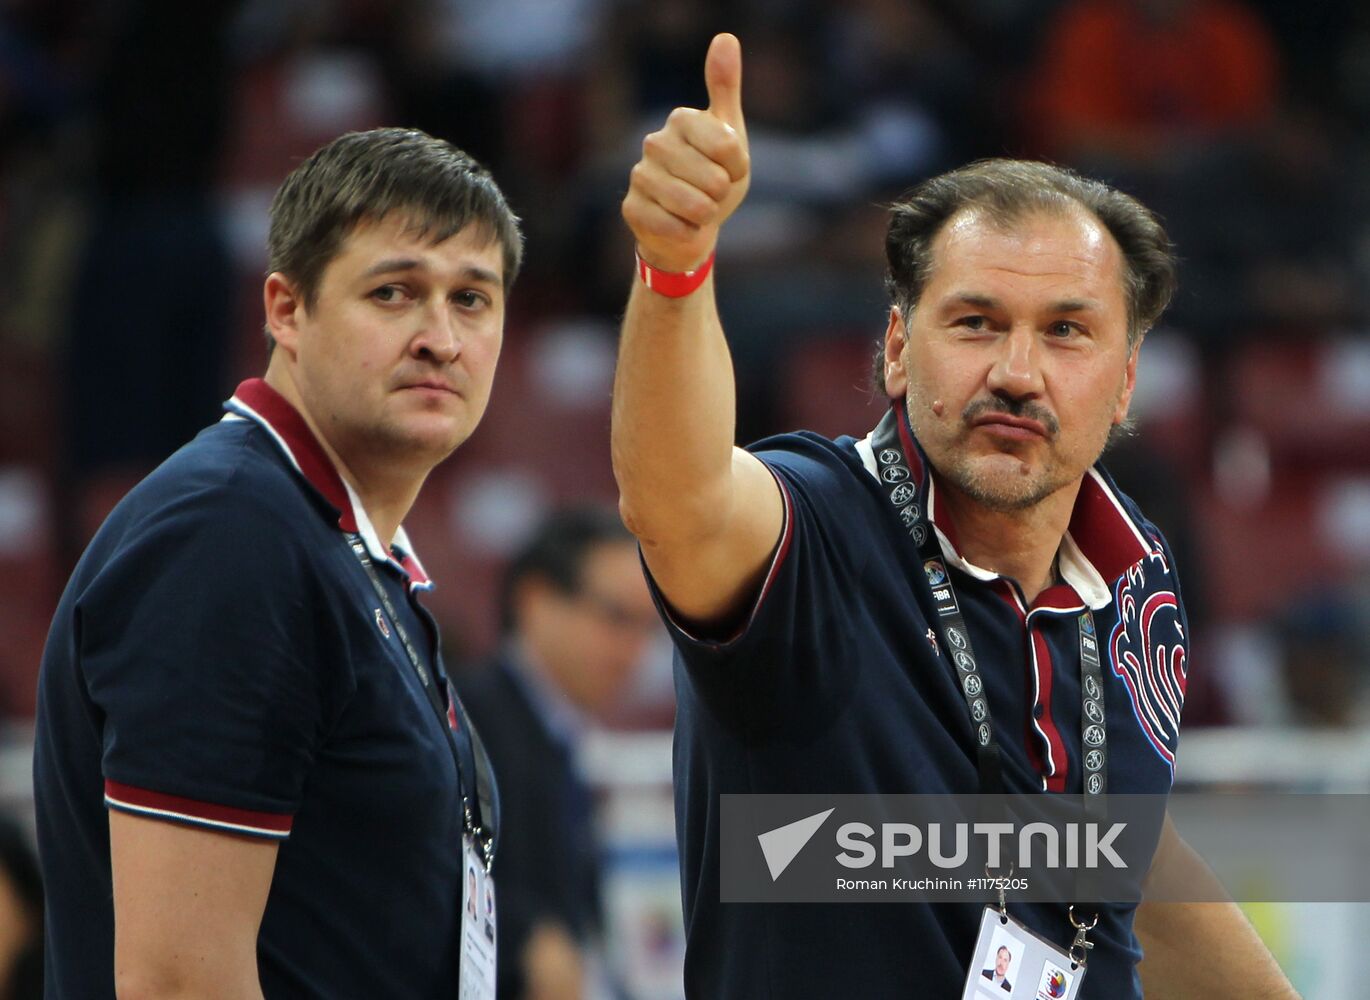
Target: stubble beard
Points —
{"points": [[1000, 490], [393, 437]]}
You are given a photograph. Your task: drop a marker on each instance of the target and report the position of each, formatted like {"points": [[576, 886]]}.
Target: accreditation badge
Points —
{"points": [[477, 926], [1011, 961]]}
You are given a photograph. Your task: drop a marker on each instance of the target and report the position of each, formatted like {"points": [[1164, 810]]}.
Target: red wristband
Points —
{"points": [[673, 284]]}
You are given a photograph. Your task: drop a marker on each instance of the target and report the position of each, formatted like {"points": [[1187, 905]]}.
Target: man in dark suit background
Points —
{"points": [[576, 618]]}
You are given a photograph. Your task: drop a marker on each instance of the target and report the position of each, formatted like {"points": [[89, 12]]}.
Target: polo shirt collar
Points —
{"points": [[256, 401], [1101, 542]]}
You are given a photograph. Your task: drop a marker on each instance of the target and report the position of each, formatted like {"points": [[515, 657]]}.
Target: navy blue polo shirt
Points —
{"points": [[221, 659], [836, 684]]}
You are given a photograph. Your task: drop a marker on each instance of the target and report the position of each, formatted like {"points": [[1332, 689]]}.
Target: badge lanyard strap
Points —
{"points": [[464, 754], [895, 476]]}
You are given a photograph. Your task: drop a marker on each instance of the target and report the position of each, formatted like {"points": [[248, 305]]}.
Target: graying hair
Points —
{"points": [[1006, 191]]}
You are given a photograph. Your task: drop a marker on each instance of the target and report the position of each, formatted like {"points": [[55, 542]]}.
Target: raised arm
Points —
{"points": [[708, 514]]}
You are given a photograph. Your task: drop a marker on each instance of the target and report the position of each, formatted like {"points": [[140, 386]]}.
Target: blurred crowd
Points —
{"points": [[140, 141]]}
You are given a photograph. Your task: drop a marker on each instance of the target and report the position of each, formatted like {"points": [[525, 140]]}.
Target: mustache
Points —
{"points": [[1024, 408]]}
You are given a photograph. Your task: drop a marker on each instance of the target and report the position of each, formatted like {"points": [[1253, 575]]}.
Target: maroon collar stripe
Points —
{"points": [[258, 400]]}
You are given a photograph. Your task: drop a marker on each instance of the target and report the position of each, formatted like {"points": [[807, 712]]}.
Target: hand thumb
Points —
{"points": [[723, 77]]}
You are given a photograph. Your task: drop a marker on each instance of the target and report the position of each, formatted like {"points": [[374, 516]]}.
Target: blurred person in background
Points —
{"points": [[577, 620], [251, 778], [1271, 224], [151, 303], [1130, 84], [1319, 645]]}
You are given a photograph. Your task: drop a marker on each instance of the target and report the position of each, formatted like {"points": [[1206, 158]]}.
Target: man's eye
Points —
{"points": [[386, 293], [1062, 329], [469, 299], [972, 322]]}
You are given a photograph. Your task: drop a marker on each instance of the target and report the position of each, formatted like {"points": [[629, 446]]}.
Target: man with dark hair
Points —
{"points": [[251, 776], [368, 176], [1005, 191], [910, 611], [576, 619]]}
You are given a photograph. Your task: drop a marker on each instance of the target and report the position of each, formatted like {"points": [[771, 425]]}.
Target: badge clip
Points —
{"points": [[484, 842], [1079, 948], [1003, 903]]}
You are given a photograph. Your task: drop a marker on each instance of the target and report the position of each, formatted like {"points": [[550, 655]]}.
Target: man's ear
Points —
{"points": [[896, 381], [284, 308], [1129, 384]]}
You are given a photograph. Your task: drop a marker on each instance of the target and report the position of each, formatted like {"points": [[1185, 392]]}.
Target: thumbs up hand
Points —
{"points": [[694, 172]]}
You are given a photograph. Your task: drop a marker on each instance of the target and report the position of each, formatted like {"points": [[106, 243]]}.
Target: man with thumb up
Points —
{"points": [[946, 604]]}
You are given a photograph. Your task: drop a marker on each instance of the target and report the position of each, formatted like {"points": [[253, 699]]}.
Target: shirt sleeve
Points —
{"points": [[806, 601], [203, 645]]}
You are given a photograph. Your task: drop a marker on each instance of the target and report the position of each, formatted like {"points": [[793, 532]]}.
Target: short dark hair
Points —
{"points": [[365, 176], [557, 551], [1006, 191]]}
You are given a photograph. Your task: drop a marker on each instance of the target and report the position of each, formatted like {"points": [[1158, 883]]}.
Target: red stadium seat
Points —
{"points": [[1309, 398], [1308, 533], [825, 388]]}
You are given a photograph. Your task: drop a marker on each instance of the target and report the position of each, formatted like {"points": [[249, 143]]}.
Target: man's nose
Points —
{"points": [[1016, 371], [437, 337]]}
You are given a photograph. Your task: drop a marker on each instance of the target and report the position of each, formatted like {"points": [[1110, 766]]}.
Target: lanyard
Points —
{"points": [[468, 755], [903, 495]]}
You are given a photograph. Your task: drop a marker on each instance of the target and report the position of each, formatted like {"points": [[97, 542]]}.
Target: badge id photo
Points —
{"points": [[1013, 963], [477, 927]]}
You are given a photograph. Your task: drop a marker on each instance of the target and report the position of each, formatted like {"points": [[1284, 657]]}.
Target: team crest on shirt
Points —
{"points": [[1149, 654]]}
